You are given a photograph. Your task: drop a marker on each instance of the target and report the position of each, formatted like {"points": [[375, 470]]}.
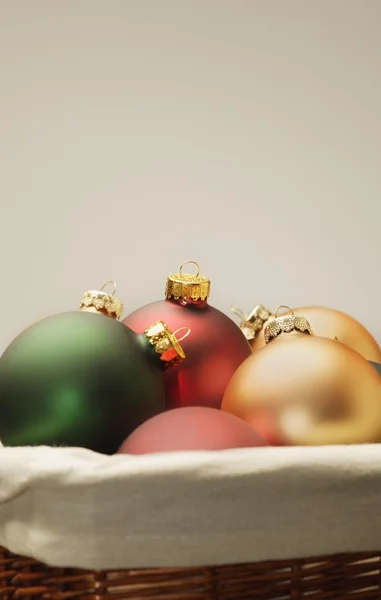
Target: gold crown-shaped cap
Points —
{"points": [[166, 344], [252, 323], [286, 324], [102, 302], [187, 285]]}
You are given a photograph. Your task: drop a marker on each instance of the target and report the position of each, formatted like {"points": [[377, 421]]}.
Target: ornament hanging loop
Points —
{"points": [[187, 287], [238, 312], [186, 329], [111, 281], [190, 262], [165, 343], [283, 306], [102, 302], [286, 324], [252, 323]]}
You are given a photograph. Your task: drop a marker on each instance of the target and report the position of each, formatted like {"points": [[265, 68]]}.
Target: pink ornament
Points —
{"points": [[191, 428]]}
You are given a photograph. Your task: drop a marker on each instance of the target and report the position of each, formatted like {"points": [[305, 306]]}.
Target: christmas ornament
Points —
{"points": [[215, 349], [83, 379], [252, 324], [102, 303], [327, 322], [301, 389], [192, 428]]}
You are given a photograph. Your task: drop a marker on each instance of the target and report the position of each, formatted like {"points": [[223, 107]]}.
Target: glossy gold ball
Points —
{"points": [[329, 323], [303, 390]]}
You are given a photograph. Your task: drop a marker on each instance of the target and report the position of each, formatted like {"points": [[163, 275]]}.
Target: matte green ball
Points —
{"points": [[77, 379]]}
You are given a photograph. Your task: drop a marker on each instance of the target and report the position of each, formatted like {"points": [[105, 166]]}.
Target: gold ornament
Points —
{"points": [[305, 390], [102, 302], [328, 323]]}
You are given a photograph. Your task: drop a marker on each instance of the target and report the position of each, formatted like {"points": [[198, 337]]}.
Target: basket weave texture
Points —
{"points": [[345, 576]]}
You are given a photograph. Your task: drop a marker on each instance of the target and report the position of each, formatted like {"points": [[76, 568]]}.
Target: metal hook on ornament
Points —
{"points": [[190, 262], [283, 306], [187, 329], [111, 281], [238, 312]]}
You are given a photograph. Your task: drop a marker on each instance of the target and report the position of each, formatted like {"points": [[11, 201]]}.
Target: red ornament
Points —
{"points": [[214, 351], [192, 428]]}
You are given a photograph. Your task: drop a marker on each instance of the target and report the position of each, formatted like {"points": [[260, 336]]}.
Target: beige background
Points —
{"points": [[138, 134]]}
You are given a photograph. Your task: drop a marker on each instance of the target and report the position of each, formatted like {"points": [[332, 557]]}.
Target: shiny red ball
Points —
{"points": [[214, 350], [193, 428]]}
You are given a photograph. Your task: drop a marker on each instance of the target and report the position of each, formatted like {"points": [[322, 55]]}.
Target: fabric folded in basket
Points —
{"points": [[72, 507]]}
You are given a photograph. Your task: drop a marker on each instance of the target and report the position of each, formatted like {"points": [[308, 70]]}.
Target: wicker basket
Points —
{"points": [[245, 524], [347, 576]]}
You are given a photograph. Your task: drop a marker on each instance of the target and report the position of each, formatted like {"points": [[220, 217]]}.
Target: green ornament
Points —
{"points": [[377, 366], [82, 379]]}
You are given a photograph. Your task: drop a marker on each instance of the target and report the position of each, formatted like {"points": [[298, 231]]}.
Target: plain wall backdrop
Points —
{"points": [[242, 134]]}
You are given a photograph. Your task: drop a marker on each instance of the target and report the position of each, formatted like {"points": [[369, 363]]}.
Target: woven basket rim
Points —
{"points": [[333, 576]]}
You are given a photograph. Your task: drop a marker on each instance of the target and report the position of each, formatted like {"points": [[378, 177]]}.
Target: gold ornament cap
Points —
{"points": [[286, 324], [102, 302], [188, 286], [165, 343], [252, 323]]}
